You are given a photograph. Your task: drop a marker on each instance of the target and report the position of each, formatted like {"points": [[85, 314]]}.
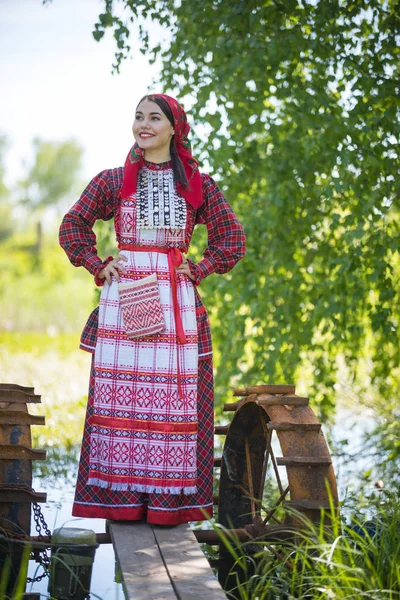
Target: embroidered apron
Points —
{"points": [[144, 426]]}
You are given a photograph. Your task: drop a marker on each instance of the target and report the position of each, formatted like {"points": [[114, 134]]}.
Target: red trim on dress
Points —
{"points": [[137, 425], [157, 517]]}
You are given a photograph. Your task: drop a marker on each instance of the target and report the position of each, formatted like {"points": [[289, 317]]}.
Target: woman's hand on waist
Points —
{"points": [[114, 267], [184, 268]]}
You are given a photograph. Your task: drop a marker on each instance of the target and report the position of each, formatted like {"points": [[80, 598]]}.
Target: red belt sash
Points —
{"points": [[174, 260]]}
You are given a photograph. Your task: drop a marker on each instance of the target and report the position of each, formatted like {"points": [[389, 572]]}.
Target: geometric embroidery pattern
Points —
{"points": [[105, 503], [144, 423], [226, 245], [141, 307]]}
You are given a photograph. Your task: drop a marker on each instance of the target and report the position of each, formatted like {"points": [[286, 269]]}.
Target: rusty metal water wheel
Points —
{"points": [[255, 493]]}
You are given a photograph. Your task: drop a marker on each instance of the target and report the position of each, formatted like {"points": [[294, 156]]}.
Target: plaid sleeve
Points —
{"points": [[76, 231], [226, 238]]}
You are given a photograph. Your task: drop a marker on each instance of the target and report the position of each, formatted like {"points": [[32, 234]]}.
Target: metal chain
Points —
{"points": [[41, 556], [39, 520], [38, 578]]}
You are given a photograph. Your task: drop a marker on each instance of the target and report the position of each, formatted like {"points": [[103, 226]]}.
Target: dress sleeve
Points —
{"points": [[77, 237], [226, 237]]}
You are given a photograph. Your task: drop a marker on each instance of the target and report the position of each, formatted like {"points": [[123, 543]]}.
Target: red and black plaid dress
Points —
{"points": [[226, 246]]}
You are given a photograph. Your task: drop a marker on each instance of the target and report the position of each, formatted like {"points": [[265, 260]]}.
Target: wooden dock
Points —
{"points": [[162, 563]]}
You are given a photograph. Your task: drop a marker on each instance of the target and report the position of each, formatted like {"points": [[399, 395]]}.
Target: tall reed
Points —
{"points": [[357, 560]]}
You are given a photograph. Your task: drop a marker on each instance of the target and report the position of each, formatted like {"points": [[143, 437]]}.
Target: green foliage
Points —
{"points": [[20, 584], [297, 112], [50, 297], [53, 174]]}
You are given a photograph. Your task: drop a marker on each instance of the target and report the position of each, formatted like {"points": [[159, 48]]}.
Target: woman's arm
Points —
{"points": [[76, 231], [226, 237]]}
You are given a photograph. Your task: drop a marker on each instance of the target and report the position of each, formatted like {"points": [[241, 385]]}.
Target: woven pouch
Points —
{"points": [[141, 307]]}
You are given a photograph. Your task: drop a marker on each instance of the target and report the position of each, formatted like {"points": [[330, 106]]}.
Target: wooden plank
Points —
{"points": [[15, 494], [18, 417], [221, 429], [267, 400], [231, 406], [15, 386], [288, 426], [265, 389], [186, 564], [239, 403], [303, 461], [15, 395], [11, 451], [144, 576]]}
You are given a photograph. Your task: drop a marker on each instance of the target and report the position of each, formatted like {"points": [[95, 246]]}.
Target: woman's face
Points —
{"points": [[152, 129]]}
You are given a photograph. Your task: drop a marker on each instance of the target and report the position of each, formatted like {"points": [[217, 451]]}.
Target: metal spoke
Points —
{"points": [[265, 464], [277, 503], [280, 557], [270, 511], [276, 470], [250, 478], [278, 521]]}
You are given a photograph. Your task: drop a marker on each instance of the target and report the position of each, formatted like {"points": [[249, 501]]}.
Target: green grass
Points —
{"points": [[19, 587], [42, 292], [360, 559], [37, 343]]}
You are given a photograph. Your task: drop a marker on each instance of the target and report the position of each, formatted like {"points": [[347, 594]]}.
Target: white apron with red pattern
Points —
{"points": [[144, 427]]}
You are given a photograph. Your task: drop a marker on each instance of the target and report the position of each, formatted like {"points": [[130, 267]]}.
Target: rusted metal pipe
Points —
{"points": [[45, 540], [271, 533]]}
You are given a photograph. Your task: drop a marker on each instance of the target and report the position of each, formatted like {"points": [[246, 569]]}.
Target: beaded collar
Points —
{"points": [[158, 203], [158, 166]]}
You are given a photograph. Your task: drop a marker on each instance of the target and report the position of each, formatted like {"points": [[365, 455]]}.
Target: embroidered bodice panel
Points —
{"points": [[157, 214], [158, 204]]}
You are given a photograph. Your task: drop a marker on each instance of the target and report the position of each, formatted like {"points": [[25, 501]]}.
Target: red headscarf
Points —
{"points": [[135, 159]]}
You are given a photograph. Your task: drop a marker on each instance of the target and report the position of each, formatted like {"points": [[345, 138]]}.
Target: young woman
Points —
{"points": [[147, 449]]}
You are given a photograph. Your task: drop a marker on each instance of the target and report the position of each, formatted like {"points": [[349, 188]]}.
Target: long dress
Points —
{"points": [[147, 449]]}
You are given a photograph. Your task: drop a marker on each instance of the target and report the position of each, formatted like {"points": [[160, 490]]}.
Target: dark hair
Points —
{"points": [[177, 166]]}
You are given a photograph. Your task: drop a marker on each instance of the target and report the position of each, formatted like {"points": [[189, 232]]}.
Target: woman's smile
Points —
{"points": [[152, 131]]}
